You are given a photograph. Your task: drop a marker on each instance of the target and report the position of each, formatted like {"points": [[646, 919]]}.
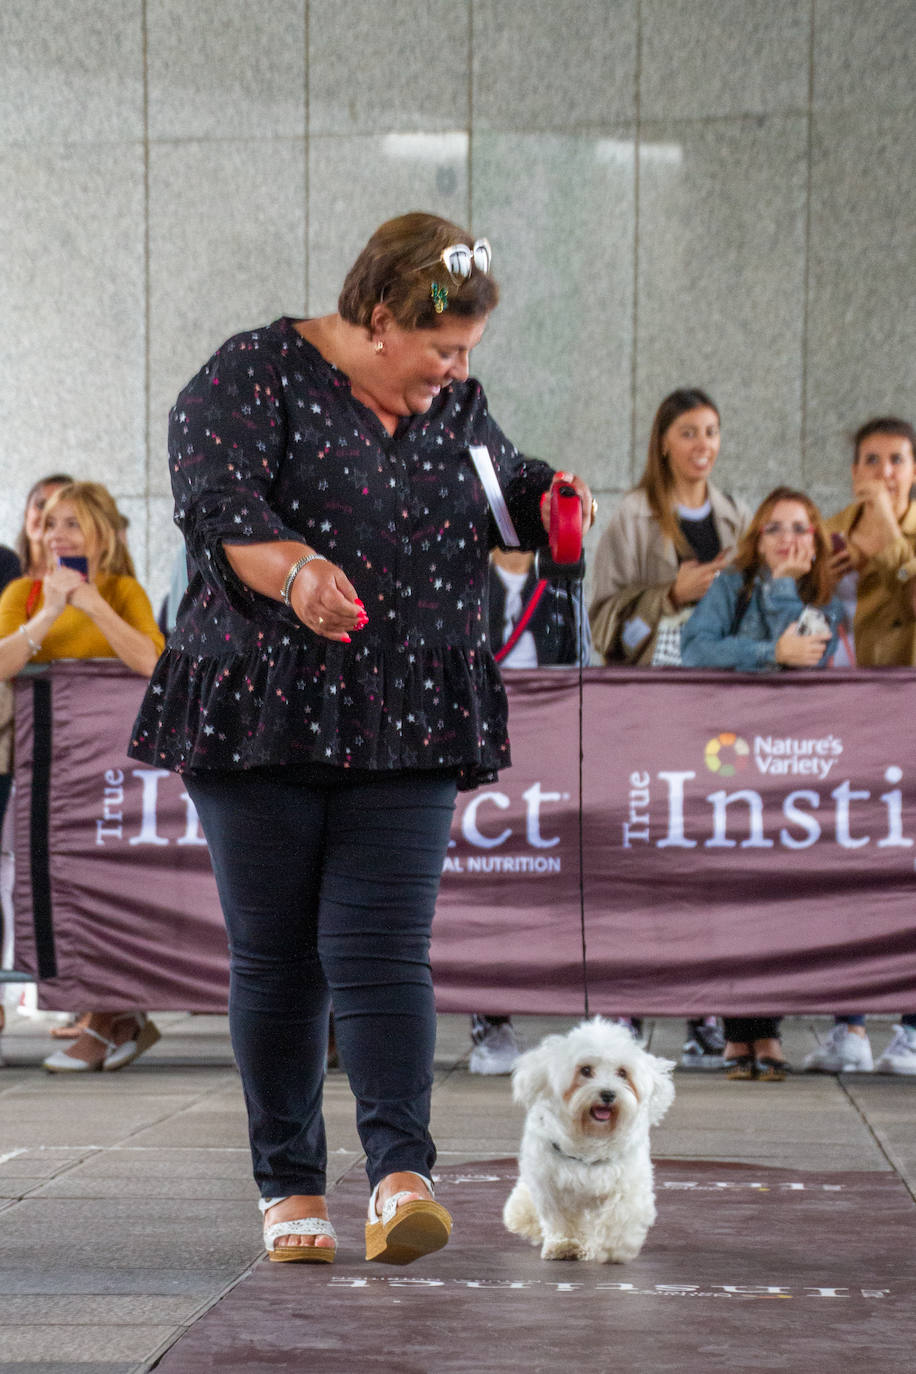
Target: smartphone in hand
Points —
{"points": [[75, 561], [812, 622]]}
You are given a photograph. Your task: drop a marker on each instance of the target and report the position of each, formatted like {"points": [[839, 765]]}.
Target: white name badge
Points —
{"points": [[483, 463]]}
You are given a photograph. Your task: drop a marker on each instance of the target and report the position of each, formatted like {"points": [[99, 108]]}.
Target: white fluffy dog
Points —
{"points": [[585, 1188]]}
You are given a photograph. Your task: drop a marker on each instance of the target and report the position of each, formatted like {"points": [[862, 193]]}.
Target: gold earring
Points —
{"points": [[379, 346]]}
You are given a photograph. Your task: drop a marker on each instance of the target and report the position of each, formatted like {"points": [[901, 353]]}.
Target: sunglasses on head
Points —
{"points": [[459, 260]]}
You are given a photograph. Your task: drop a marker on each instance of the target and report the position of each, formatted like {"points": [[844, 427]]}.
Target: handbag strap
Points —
{"points": [[32, 598], [847, 644], [741, 605], [522, 622]]}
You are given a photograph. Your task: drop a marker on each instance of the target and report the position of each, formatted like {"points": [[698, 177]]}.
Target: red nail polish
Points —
{"points": [[345, 639]]}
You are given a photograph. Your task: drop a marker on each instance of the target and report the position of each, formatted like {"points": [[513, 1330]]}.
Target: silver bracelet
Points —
{"points": [[36, 648], [294, 572]]}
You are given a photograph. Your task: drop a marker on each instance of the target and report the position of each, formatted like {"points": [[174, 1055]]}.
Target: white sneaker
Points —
{"points": [[900, 1055], [842, 1052], [497, 1052]]}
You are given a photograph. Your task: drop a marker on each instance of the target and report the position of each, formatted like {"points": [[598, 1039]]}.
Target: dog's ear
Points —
{"points": [[531, 1075], [662, 1094]]}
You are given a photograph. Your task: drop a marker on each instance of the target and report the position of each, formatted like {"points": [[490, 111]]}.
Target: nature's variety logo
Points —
{"points": [[726, 754]]}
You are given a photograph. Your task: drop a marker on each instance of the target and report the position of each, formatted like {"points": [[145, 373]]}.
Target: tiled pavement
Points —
{"points": [[127, 1209]]}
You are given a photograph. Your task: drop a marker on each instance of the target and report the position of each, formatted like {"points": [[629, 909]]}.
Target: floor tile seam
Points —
{"points": [[887, 1148], [874, 1131], [90, 1323], [173, 1115], [205, 1305], [91, 1150], [86, 1152], [447, 1071]]}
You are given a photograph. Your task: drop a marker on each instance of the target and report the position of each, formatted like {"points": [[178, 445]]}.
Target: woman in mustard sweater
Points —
{"points": [[87, 604]]}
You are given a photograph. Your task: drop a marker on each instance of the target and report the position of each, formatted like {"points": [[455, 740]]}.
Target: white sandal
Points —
{"points": [[408, 1229], [61, 1061], [298, 1226]]}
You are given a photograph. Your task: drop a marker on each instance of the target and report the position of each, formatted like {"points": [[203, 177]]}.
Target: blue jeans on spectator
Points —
{"points": [[328, 881], [908, 1020]]}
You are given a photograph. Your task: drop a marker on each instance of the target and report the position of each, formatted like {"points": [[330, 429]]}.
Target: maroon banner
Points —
{"points": [[748, 844]]}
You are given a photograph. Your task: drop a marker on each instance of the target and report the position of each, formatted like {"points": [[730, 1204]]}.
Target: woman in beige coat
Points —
{"points": [[668, 538], [663, 547]]}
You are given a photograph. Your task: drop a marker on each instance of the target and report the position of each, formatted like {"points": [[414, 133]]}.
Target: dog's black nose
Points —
{"points": [[608, 1097]]}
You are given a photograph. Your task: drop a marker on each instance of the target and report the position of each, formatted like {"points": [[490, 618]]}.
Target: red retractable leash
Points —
{"points": [[567, 564]]}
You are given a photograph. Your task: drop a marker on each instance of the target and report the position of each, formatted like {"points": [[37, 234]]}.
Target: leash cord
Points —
{"points": [[581, 807]]}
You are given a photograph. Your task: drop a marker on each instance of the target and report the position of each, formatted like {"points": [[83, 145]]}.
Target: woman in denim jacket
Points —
{"points": [[750, 618]]}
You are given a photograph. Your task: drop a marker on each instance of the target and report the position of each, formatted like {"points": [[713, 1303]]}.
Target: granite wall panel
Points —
{"points": [[677, 190]]}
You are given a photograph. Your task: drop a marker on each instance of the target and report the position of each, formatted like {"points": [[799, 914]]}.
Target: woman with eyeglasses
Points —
{"points": [[329, 686], [775, 607]]}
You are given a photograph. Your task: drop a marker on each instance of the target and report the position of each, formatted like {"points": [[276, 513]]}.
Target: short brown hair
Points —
{"points": [[398, 267], [884, 424], [817, 585], [101, 522]]}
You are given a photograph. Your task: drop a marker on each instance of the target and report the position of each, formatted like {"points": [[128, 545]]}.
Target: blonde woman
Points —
{"points": [[83, 606]]}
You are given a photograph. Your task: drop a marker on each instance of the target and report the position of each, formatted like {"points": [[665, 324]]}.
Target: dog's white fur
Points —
{"points": [[585, 1187]]}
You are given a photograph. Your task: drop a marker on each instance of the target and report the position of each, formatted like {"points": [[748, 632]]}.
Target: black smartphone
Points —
{"points": [[76, 561]]}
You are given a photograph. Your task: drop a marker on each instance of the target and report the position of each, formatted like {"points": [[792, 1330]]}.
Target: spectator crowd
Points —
{"points": [[684, 575]]}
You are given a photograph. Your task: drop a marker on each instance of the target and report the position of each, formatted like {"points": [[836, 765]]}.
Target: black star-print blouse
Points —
{"points": [[267, 443]]}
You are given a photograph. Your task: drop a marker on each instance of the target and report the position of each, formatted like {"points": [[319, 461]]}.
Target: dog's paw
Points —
{"points": [[519, 1215], [560, 1248]]}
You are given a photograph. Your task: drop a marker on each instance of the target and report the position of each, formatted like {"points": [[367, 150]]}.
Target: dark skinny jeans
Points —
{"points": [[328, 883]]}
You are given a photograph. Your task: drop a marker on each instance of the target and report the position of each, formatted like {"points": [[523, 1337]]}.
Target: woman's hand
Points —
{"points": [[322, 596], [877, 526], [325, 600], [86, 596], [16, 649], [840, 562], [694, 580], [582, 490], [800, 651], [798, 560], [133, 647], [59, 586]]}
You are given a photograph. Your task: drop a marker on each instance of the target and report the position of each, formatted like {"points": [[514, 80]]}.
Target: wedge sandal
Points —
{"points": [[144, 1037], [406, 1230], [297, 1226]]}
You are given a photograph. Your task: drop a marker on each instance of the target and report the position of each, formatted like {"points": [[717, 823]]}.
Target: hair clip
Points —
{"points": [[439, 296]]}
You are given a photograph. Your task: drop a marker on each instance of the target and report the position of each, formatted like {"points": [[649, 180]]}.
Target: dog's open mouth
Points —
{"points": [[599, 1113]]}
